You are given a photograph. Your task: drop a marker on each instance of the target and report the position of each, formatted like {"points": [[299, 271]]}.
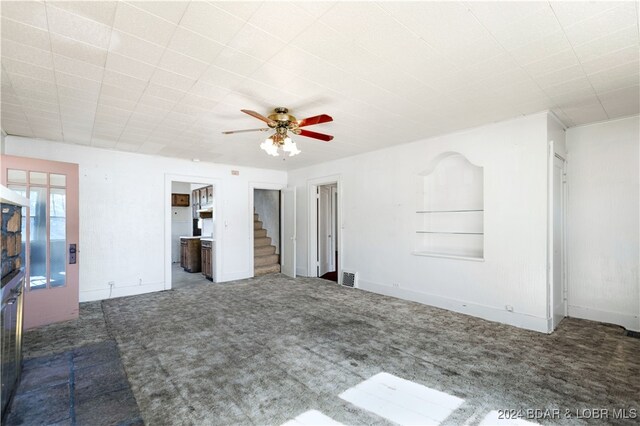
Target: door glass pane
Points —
{"points": [[57, 180], [37, 178], [57, 236], [38, 238], [22, 190], [17, 176]]}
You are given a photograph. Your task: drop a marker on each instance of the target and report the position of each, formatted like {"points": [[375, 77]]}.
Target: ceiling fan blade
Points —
{"points": [[259, 116], [230, 132], [317, 119], [315, 135]]}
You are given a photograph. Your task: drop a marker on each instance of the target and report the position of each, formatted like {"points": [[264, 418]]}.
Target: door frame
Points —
{"points": [[312, 230], [252, 187], [219, 235], [551, 326]]}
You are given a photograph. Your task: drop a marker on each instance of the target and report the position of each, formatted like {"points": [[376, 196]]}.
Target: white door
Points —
{"points": [[288, 232], [324, 231], [558, 302]]}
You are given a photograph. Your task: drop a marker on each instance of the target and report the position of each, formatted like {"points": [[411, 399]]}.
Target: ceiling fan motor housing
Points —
{"points": [[282, 119]]}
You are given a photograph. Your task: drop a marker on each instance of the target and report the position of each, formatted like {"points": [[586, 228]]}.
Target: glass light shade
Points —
{"points": [[288, 145], [293, 150]]}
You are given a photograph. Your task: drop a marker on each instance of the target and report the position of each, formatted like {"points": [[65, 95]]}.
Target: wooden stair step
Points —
{"points": [[259, 233], [257, 224], [269, 259], [264, 270], [264, 250], [259, 242], [256, 217]]}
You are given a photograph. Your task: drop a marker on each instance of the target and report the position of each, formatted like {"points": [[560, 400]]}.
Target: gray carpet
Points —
{"points": [[264, 350]]}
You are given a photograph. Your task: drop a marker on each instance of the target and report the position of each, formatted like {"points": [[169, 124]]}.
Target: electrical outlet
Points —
{"points": [[396, 285], [509, 308]]}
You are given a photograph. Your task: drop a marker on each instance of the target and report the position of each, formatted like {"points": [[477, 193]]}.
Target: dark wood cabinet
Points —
{"points": [[207, 259], [180, 200], [190, 254]]}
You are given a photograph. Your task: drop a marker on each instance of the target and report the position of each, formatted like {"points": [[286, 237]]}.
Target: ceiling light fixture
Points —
{"points": [[283, 123]]}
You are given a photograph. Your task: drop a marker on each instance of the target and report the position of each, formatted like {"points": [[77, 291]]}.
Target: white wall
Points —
{"points": [[377, 196], [124, 220], [603, 222], [181, 220]]}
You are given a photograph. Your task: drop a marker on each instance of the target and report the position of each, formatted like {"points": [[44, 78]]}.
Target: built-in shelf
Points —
{"points": [[452, 233], [448, 256], [449, 211]]}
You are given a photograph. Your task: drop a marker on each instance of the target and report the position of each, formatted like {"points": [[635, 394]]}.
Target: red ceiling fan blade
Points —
{"points": [[317, 119], [315, 135], [230, 132], [259, 116]]}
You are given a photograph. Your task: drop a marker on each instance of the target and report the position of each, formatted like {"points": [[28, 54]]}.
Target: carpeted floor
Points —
{"points": [[265, 350]]}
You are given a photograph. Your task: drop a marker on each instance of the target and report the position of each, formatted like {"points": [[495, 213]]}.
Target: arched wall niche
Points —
{"points": [[450, 208]]}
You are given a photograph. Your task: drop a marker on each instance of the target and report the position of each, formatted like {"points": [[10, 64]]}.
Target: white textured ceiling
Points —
{"points": [[167, 77]]}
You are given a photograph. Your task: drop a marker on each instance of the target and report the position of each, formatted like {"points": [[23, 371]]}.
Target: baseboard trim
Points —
{"points": [[515, 319], [132, 290], [301, 272], [628, 321]]}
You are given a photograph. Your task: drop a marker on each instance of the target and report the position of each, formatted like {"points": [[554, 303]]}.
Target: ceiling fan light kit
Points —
{"points": [[283, 122]]}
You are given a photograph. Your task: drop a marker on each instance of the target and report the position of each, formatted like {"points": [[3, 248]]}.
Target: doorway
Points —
{"points": [[192, 236], [557, 252], [325, 228], [327, 231], [50, 234], [266, 231]]}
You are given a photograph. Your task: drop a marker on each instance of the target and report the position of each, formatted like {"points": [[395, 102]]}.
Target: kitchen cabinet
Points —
{"points": [[180, 200], [207, 259], [190, 254]]}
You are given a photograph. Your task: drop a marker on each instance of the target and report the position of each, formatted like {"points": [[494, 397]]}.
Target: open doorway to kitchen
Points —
{"points": [[193, 216]]}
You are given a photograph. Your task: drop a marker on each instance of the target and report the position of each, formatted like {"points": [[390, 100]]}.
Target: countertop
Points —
{"points": [[189, 238], [207, 239]]}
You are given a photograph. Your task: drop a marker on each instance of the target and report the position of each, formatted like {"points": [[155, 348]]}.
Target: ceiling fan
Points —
{"points": [[282, 122]]}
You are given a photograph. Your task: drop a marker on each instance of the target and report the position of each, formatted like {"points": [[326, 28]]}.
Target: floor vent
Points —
{"points": [[635, 334], [349, 279]]}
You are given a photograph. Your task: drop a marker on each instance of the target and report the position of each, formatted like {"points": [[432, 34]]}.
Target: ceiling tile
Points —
{"points": [[80, 94], [552, 63], [164, 92], [119, 92], [611, 59], [269, 19], [499, 16], [561, 76], [538, 25], [79, 51], [141, 24], [237, 62], [255, 42], [194, 45], [35, 104], [24, 53], [77, 28], [541, 48], [27, 12], [625, 37], [181, 64], [621, 102], [606, 22], [172, 11], [29, 70], [123, 81], [571, 12], [133, 47], [211, 21], [172, 80], [25, 34], [99, 11], [585, 112], [129, 66], [75, 82], [79, 68], [612, 78]]}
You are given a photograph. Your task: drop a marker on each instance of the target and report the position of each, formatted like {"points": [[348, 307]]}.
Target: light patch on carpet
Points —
{"points": [[312, 418], [402, 401]]}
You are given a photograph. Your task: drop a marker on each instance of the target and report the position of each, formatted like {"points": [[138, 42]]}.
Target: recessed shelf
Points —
{"points": [[450, 211], [454, 233]]}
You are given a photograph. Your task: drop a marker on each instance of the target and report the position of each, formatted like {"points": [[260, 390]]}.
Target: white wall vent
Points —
{"points": [[350, 279]]}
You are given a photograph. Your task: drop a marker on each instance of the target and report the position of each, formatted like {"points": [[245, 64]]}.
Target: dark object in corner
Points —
{"points": [[635, 334]]}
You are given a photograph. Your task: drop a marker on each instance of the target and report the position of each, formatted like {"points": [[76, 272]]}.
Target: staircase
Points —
{"points": [[265, 259]]}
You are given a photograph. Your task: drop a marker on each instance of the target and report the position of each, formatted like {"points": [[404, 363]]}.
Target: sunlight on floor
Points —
{"points": [[312, 418], [402, 401]]}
